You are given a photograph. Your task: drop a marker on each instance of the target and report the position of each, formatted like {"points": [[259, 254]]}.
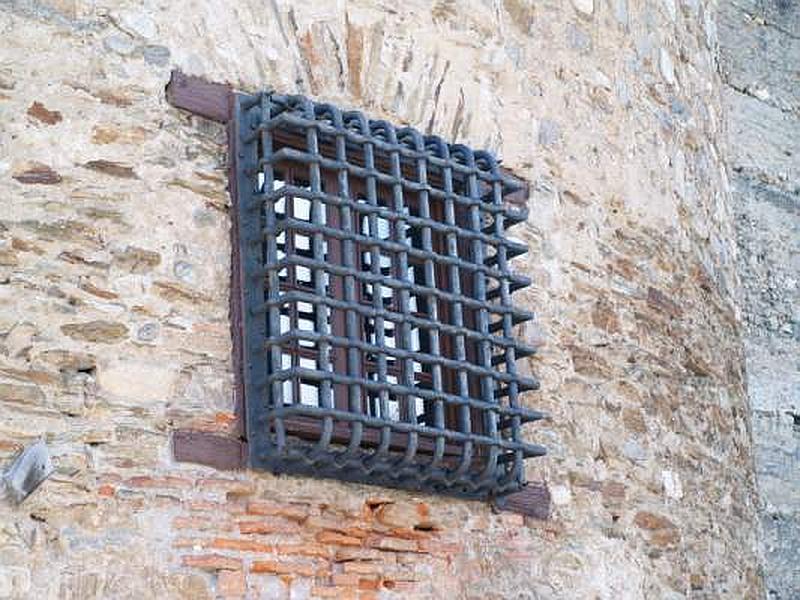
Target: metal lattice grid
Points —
{"points": [[378, 324]]}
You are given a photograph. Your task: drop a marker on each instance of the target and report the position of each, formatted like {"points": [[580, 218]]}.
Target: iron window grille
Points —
{"points": [[378, 340]]}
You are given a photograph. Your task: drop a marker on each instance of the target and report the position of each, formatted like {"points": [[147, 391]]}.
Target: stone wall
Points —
{"points": [[760, 56], [114, 301]]}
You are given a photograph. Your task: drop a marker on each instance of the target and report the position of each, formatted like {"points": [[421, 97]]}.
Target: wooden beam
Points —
{"points": [[204, 98], [531, 501], [210, 449]]}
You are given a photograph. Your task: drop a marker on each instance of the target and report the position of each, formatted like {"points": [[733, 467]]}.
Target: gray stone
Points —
{"points": [[760, 59], [764, 139], [147, 332], [119, 43], [634, 451], [765, 60], [156, 55], [549, 132], [183, 270]]}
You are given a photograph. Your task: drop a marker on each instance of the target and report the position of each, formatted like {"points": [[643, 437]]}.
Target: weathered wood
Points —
{"points": [[204, 98], [210, 449], [532, 501]]}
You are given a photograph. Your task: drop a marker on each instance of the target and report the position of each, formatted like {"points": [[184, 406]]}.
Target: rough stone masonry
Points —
{"points": [[114, 328], [760, 60]]}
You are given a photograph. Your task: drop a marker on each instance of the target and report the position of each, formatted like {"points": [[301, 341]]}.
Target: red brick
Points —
{"points": [[350, 553], [308, 549], [409, 534], [232, 486], [338, 525], [292, 512], [201, 524], [241, 545], [331, 537], [345, 579], [231, 584], [230, 507], [363, 568], [222, 418], [400, 586], [369, 584], [159, 482], [334, 592], [392, 544], [212, 562], [268, 527], [280, 568], [439, 547], [106, 490], [199, 505]]}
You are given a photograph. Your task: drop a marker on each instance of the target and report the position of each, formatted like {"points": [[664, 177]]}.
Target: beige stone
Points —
{"points": [[104, 332], [136, 380]]}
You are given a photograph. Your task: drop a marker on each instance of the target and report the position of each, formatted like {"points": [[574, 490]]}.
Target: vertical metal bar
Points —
{"points": [[348, 260], [377, 294], [253, 219], [319, 276], [431, 301], [479, 290], [401, 273], [270, 257], [464, 419], [515, 472]]}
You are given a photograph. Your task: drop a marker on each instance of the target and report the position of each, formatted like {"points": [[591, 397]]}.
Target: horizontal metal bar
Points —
{"points": [[529, 450], [421, 357], [285, 118], [391, 282], [390, 215], [526, 414], [299, 156], [297, 296], [291, 224]]}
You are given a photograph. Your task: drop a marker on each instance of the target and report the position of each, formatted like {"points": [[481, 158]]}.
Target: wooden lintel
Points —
{"points": [[210, 449], [531, 501], [204, 98]]}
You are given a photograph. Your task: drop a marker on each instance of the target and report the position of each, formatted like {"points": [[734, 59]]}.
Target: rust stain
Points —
{"points": [[105, 96], [313, 59], [355, 57], [108, 97], [112, 168], [38, 111], [174, 291], [109, 134], [37, 173], [92, 289]]}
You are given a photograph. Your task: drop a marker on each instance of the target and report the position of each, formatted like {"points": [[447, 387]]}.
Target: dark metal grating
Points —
{"points": [[378, 324]]}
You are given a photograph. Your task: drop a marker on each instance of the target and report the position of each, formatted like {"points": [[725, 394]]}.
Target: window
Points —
{"points": [[376, 302]]}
